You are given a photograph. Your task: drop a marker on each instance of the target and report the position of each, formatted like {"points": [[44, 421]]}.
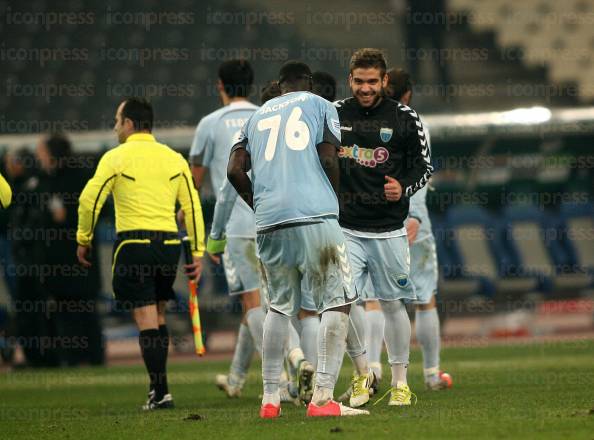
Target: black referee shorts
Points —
{"points": [[144, 267]]}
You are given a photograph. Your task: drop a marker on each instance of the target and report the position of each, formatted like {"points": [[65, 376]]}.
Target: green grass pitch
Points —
{"points": [[542, 391]]}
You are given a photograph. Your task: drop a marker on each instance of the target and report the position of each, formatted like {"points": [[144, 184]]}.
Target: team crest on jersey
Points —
{"points": [[386, 134], [402, 280]]}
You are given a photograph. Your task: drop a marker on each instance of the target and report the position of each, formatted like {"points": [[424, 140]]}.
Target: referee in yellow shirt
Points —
{"points": [[146, 179], [5, 193]]}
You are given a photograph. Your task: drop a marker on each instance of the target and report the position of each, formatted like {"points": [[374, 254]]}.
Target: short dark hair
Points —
{"points": [[58, 145], [368, 58], [140, 112], [293, 71], [399, 83], [237, 77], [270, 91], [324, 85]]}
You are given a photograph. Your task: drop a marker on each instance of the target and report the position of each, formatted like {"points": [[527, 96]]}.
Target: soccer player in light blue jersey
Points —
{"points": [[300, 360], [290, 145], [215, 135]]}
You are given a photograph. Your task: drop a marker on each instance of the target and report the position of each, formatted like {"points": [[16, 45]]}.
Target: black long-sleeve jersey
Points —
{"points": [[386, 140]]}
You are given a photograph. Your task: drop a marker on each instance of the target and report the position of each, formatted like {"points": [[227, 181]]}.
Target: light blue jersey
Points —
{"points": [[288, 180], [418, 205], [215, 135]]}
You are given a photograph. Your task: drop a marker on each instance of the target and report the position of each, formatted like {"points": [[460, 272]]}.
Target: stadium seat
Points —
{"points": [[532, 237], [477, 245], [577, 230]]}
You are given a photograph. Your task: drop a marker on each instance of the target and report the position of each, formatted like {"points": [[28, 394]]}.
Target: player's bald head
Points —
{"points": [[294, 76]]}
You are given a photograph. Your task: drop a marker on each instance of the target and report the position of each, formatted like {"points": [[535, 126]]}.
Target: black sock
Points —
{"points": [[150, 346], [164, 333]]}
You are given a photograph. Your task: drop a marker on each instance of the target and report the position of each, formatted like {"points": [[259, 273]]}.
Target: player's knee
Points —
{"points": [[250, 300], [306, 313], [372, 305]]}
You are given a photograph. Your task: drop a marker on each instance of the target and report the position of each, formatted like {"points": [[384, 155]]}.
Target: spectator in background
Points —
{"points": [[73, 289], [30, 324]]}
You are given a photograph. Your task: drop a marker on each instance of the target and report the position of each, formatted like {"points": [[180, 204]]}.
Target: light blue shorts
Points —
{"points": [[423, 269], [381, 268], [241, 265], [308, 257]]}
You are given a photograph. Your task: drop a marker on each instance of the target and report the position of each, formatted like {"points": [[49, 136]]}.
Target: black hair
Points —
{"points": [[294, 71], [58, 145], [399, 83], [324, 85], [237, 77], [270, 91], [140, 112], [368, 58]]}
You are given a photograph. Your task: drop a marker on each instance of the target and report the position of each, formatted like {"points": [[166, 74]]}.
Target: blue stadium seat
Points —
{"points": [[534, 242], [477, 244], [576, 225]]}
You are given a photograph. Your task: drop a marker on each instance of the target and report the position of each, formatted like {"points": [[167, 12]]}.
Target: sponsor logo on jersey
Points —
{"points": [[368, 157], [386, 134]]}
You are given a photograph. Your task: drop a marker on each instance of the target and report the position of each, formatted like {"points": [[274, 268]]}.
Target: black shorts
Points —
{"points": [[144, 267]]}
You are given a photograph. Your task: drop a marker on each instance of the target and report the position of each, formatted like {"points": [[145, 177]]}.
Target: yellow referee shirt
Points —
{"points": [[146, 178], [5, 192]]}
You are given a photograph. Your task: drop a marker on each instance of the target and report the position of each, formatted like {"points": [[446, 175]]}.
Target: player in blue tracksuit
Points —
{"points": [[290, 145]]}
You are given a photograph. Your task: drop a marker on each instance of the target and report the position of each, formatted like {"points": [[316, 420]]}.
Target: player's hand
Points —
{"points": [[216, 259], [392, 189], [194, 270], [412, 229], [82, 253]]}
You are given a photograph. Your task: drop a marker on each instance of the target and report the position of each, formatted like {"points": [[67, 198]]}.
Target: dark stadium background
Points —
{"points": [[506, 89]]}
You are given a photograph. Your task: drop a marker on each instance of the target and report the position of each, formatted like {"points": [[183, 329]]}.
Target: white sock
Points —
{"points": [[276, 328], [397, 336], [310, 326], [242, 356], [399, 374], [356, 339], [321, 395], [332, 341], [273, 398], [374, 337], [255, 321], [427, 330]]}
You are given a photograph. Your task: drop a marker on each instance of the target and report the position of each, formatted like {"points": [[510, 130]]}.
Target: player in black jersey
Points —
{"points": [[384, 160]]}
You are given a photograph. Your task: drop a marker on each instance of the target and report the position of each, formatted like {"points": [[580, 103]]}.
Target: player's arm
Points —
{"points": [[417, 167], [201, 151], [5, 193], [329, 160], [328, 143], [90, 202], [237, 172], [188, 198], [415, 213], [198, 172], [223, 208]]}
